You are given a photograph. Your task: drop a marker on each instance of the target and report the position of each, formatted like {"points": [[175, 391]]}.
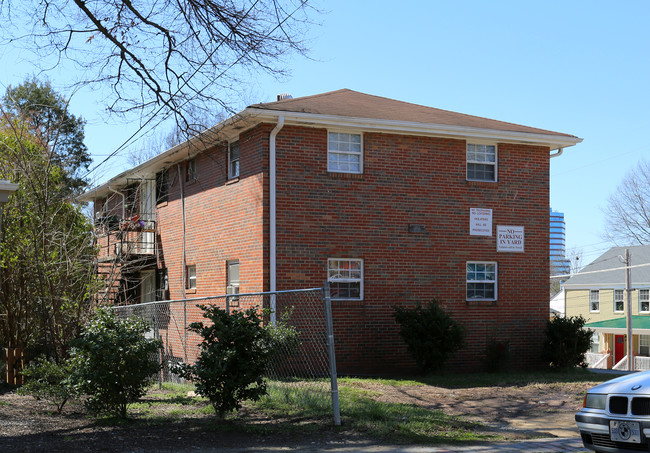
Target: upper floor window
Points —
{"points": [[191, 172], [344, 153], [644, 300], [346, 278], [619, 300], [162, 186], [481, 162], [233, 160], [481, 281], [594, 300]]}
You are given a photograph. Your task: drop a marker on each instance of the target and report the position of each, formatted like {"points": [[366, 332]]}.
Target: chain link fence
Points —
{"points": [[303, 373]]}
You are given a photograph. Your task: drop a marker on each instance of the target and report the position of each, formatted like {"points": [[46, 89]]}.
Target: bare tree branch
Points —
{"points": [[628, 209], [163, 57]]}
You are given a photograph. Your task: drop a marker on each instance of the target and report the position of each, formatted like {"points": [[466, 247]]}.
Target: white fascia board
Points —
{"points": [[617, 331], [603, 286], [413, 128]]}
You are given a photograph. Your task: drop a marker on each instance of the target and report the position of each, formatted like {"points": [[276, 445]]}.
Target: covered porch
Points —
{"points": [[609, 344]]}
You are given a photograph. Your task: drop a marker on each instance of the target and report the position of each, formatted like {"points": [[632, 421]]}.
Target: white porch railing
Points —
{"points": [[641, 363], [596, 360], [622, 365]]}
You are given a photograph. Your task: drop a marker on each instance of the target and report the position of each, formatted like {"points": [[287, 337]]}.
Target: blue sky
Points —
{"points": [[579, 67]]}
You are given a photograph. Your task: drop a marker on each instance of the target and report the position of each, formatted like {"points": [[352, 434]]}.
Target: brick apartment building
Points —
{"points": [[390, 202]]}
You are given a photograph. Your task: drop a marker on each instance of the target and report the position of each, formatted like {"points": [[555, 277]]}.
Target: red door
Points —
{"points": [[619, 348]]}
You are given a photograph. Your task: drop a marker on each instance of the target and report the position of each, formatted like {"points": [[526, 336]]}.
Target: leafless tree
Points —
{"points": [[162, 58], [159, 142], [574, 255], [628, 208]]}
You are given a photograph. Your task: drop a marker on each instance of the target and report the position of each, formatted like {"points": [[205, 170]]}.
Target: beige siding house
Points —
{"points": [[598, 294]]}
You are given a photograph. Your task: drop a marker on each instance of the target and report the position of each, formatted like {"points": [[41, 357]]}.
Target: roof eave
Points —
{"points": [[553, 141], [223, 131]]}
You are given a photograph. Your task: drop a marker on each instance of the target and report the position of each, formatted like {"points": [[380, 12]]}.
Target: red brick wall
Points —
{"points": [[224, 221], [414, 180], [406, 180]]}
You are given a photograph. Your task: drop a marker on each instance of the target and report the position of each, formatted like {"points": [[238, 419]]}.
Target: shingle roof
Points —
{"points": [[613, 259], [349, 103]]}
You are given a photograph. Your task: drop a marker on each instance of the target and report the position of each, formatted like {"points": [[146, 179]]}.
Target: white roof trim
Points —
{"points": [[414, 128], [251, 116]]}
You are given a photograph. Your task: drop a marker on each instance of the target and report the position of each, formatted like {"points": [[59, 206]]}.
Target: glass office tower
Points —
{"points": [[559, 263]]}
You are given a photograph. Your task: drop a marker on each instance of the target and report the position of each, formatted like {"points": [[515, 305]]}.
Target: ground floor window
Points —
{"points": [[232, 286], [595, 343], [644, 345], [190, 277], [481, 281], [345, 276]]}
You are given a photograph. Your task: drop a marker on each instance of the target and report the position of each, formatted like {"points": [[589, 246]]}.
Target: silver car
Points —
{"points": [[615, 416]]}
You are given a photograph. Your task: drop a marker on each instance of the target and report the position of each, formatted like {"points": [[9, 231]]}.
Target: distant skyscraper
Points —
{"points": [[559, 263]]}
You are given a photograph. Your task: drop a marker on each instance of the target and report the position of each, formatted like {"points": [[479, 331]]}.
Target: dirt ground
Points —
{"points": [[514, 412]]}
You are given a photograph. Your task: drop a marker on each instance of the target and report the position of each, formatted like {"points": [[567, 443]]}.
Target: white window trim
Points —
{"points": [[643, 339], [496, 160], [360, 134], [230, 173], [232, 286], [347, 280], [614, 296], [495, 281], [190, 278], [644, 311], [590, 293]]}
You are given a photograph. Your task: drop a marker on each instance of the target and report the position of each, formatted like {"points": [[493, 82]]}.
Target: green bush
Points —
{"points": [[48, 380], [113, 362], [284, 339], [566, 342], [431, 335], [232, 359]]}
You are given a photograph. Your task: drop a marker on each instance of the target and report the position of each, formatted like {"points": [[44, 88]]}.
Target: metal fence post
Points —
{"points": [[185, 331], [330, 352]]}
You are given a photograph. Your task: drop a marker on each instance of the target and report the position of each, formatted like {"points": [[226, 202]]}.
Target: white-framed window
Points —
{"points": [[644, 300], [344, 152], [190, 277], [345, 276], [481, 280], [595, 343], [644, 345], [594, 300], [619, 301], [191, 172], [233, 160], [481, 162], [232, 277]]}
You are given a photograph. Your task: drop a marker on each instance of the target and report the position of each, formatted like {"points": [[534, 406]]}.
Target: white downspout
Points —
{"points": [[272, 213], [559, 153]]}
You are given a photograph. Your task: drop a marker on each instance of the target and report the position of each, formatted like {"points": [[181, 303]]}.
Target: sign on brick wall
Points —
{"points": [[510, 238], [480, 222]]}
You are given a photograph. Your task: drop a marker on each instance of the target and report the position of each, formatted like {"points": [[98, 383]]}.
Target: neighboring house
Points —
{"points": [[598, 294], [558, 304], [390, 202]]}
